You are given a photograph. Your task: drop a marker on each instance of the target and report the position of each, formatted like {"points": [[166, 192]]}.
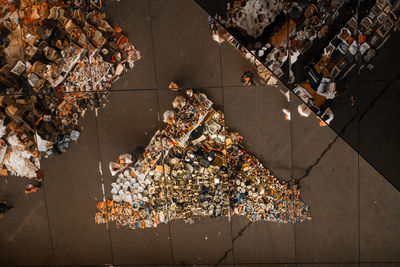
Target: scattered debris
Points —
{"points": [[286, 112], [30, 188], [173, 86]]}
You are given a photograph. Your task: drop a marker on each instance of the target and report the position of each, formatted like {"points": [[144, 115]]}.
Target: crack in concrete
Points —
{"points": [[325, 151], [385, 89], [370, 107], [240, 233], [316, 162]]}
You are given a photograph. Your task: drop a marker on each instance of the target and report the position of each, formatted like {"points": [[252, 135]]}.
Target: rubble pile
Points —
{"points": [[195, 167], [57, 60]]}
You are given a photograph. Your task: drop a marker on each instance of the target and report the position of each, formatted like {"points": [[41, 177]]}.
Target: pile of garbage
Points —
{"points": [[196, 167], [57, 60]]}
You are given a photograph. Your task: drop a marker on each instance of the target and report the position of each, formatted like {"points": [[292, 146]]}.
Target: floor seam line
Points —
{"points": [[48, 222], [159, 120], [103, 187]]}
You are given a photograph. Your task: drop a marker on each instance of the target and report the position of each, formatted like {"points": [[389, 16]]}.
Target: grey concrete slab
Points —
{"points": [[256, 113], [72, 186], [24, 237], [184, 49], [379, 217], [345, 108], [134, 19], [206, 241], [233, 65], [308, 137], [141, 246], [327, 173], [129, 121], [262, 242], [331, 190]]}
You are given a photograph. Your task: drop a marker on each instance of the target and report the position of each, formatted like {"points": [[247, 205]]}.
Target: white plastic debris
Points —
{"points": [[18, 161]]}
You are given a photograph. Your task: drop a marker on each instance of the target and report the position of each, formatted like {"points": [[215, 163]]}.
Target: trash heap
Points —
{"points": [[57, 60], [195, 167]]}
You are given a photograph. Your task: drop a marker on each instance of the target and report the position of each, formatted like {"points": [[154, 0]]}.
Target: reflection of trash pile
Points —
{"points": [[57, 59], [254, 16], [220, 35], [195, 167], [343, 36], [263, 27], [353, 46]]}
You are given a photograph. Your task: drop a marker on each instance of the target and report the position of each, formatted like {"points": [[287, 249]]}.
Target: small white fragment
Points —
{"points": [[100, 169]]}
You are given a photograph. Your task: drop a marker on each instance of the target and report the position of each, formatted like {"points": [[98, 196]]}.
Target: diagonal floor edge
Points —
{"points": [[289, 87]]}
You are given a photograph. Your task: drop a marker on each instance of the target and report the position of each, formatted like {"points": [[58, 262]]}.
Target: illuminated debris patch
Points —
{"points": [[195, 167], [57, 60]]}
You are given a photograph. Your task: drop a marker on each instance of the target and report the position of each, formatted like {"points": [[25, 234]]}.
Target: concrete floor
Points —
{"points": [[355, 210]]}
